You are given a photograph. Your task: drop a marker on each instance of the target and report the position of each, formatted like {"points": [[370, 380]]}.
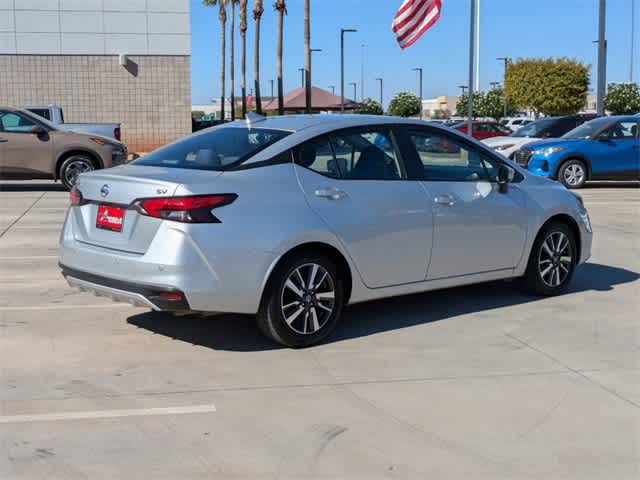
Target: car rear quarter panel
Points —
{"points": [[269, 218]]}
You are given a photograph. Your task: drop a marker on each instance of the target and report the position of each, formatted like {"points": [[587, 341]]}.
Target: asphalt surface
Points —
{"points": [[479, 382]]}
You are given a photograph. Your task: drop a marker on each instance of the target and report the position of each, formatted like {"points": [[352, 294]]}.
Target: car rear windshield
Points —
{"points": [[218, 149]]}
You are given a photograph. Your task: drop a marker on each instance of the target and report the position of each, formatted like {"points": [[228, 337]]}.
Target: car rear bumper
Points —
{"points": [[137, 294], [213, 272]]}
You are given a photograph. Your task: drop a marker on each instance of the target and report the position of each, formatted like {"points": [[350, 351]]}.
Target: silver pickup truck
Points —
{"points": [[54, 114]]}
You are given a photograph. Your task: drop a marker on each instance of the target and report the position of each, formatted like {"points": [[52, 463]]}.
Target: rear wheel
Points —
{"points": [[72, 167], [573, 174], [552, 261], [303, 301]]}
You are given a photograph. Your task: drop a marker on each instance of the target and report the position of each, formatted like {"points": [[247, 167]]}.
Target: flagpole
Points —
{"points": [[472, 38]]}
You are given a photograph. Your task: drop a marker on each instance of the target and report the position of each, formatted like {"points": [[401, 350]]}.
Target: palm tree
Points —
{"points": [[243, 61], [232, 60], [307, 56], [222, 16], [258, 10], [281, 7]]}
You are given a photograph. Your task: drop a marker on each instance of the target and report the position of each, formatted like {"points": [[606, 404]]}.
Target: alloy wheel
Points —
{"points": [[307, 300], [555, 259], [574, 174], [74, 169]]}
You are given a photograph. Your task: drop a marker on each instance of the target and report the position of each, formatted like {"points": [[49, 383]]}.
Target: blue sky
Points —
{"points": [[512, 28]]}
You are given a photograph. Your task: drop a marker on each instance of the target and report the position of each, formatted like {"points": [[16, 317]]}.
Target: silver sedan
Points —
{"points": [[292, 218]]}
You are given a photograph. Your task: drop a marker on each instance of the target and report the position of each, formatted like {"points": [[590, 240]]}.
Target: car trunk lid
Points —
{"points": [[113, 191]]}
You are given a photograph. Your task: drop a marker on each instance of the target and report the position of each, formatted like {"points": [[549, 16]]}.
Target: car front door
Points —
{"points": [[356, 181], [477, 228], [615, 154], [23, 153]]}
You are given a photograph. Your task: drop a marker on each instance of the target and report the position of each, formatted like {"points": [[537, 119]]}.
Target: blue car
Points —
{"points": [[607, 148]]}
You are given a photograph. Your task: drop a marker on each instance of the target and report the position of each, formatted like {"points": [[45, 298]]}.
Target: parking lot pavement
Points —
{"points": [[476, 382]]}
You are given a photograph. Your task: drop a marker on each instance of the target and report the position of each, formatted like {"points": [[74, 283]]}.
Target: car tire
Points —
{"points": [[297, 312], [74, 166], [552, 261], [573, 174]]}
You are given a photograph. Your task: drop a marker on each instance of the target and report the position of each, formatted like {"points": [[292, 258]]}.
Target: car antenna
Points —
{"points": [[253, 117]]}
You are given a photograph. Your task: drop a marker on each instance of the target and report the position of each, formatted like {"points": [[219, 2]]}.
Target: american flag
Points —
{"points": [[413, 19]]}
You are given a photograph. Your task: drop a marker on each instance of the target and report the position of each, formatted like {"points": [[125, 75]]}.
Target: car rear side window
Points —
{"points": [[356, 155], [219, 149]]}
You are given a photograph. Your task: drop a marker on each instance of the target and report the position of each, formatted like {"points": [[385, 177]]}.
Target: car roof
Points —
{"points": [[297, 123]]}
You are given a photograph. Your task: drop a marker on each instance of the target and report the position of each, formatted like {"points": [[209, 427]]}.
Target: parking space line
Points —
{"points": [[97, 414], [29, 257], [63, 307], [23, 214]]}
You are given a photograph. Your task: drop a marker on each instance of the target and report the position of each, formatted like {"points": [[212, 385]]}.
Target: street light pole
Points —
{"points": [[472, 50], [504, 83], [333, 89], [494, 85], [463, 88], [301, 70], [380, 80], [602, 58], [355, 88], [419, 70], [633, 37], [342, 32], [271, 81], [362, 47]]}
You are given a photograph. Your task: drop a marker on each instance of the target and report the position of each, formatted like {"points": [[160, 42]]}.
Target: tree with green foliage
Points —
{"points": [[491, 104], [622, 98], [405, 104], [552, 87], [369, 106], [463, 101], [197, 114]]}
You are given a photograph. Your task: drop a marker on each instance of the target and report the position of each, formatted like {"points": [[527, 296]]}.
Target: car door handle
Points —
{"points": [[330, 193], [445, 200], [3, 140]]}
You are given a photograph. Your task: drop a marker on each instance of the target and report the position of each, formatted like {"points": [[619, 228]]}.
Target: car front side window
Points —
{"points": [[446, 159], [14, 123]]}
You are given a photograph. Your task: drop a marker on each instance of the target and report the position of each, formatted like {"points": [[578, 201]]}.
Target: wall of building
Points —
{"points": [[66, 52]]}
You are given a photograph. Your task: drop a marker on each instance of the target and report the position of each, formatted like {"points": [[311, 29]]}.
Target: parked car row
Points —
{"points": [[576, 148]]}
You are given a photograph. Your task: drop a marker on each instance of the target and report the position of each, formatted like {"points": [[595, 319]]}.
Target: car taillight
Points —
{"points": [[191, 209], [116, 133], [75, 197]]}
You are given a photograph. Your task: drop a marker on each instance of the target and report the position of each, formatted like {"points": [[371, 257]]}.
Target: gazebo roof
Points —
{"points": [[320, 100]]}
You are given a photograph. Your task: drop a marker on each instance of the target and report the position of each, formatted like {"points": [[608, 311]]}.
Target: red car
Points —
{"points": [[482, 130]]}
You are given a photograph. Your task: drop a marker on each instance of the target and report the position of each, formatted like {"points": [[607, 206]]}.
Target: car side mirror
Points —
{"points": [[504, 177], [38, 130]]}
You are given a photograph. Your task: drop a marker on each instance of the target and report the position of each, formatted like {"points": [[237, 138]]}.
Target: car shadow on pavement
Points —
{"points": [[32, 187], [612, 184], [240, 333]]}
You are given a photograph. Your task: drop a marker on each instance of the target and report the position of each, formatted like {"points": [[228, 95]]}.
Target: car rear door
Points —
{"points": [[357, 182], [23, 153], [477, 229]]}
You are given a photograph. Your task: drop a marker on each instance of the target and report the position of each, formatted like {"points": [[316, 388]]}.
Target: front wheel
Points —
{"points": [[573, 174], [552, 261], [303, 301], [72, 167]]}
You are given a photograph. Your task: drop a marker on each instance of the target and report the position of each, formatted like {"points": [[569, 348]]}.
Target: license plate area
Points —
{"points": [[110, 217]]}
